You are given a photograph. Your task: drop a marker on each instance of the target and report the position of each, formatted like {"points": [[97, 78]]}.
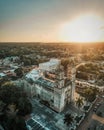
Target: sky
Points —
{"points": [[51, 20]]}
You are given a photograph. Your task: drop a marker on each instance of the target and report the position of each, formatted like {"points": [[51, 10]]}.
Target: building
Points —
{"points": [[34, 74], [71, 74], [52, 65], [81, 85], [2, 75], [50, 85]]}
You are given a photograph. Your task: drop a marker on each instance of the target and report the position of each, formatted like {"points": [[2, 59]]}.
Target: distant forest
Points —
{"points": [[49, 49]]}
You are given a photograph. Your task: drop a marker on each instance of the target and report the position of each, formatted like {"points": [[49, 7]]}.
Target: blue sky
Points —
{"points": [[40, 20]]}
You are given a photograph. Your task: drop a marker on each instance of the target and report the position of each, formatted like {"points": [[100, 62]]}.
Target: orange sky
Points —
{"points": [[51, 20]]}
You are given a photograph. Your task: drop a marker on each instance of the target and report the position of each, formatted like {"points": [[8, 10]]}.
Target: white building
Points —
{"points": [[50, 85], [33, 74], [9, 60], [81, 85], [50, 66], [2, 75], [56, 93]]}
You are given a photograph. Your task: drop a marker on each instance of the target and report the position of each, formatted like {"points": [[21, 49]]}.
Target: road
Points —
{"points": [[44, 115], [100, 119], [86, 122]]}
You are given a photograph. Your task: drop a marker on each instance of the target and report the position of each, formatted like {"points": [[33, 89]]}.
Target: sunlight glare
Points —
{"points": [[86, 28]]}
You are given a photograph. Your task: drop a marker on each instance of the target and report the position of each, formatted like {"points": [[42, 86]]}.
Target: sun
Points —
{"points": [[85, 28]]}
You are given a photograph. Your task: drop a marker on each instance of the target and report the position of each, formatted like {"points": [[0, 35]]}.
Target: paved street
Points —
{"points": [[89, 118], [100, 119], [35, 125], [48, 118], [45, 116]]}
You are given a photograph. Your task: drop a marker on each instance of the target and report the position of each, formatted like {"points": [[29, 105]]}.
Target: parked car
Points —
{"points": [[97, 104], [95, 108]]}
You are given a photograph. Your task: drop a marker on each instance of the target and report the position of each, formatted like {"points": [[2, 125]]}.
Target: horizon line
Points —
{"points": [[49, 42]]}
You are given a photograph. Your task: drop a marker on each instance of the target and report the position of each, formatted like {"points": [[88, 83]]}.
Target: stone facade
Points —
{"points": [[52, 87]]}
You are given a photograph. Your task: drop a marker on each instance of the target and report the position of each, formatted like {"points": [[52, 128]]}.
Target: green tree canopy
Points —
{"points": [[9, 93], [79, 102], [16, 107], [68, 119], [90, 94], [19, 72]]}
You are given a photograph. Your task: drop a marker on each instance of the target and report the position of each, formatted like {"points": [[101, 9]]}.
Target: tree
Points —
{"points": [[65, 62], [90, 94], [2, 105], [95, 91], [9, 92], [21, 57], [27, 61], [24, 110], [79, 102], [16, 107], [82, 75], [68, 119], [87, 94], [24, 107], [19, 72], [18, 123]]}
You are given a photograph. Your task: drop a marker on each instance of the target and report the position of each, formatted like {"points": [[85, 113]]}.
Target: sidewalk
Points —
{"points": [[89, 118]]}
